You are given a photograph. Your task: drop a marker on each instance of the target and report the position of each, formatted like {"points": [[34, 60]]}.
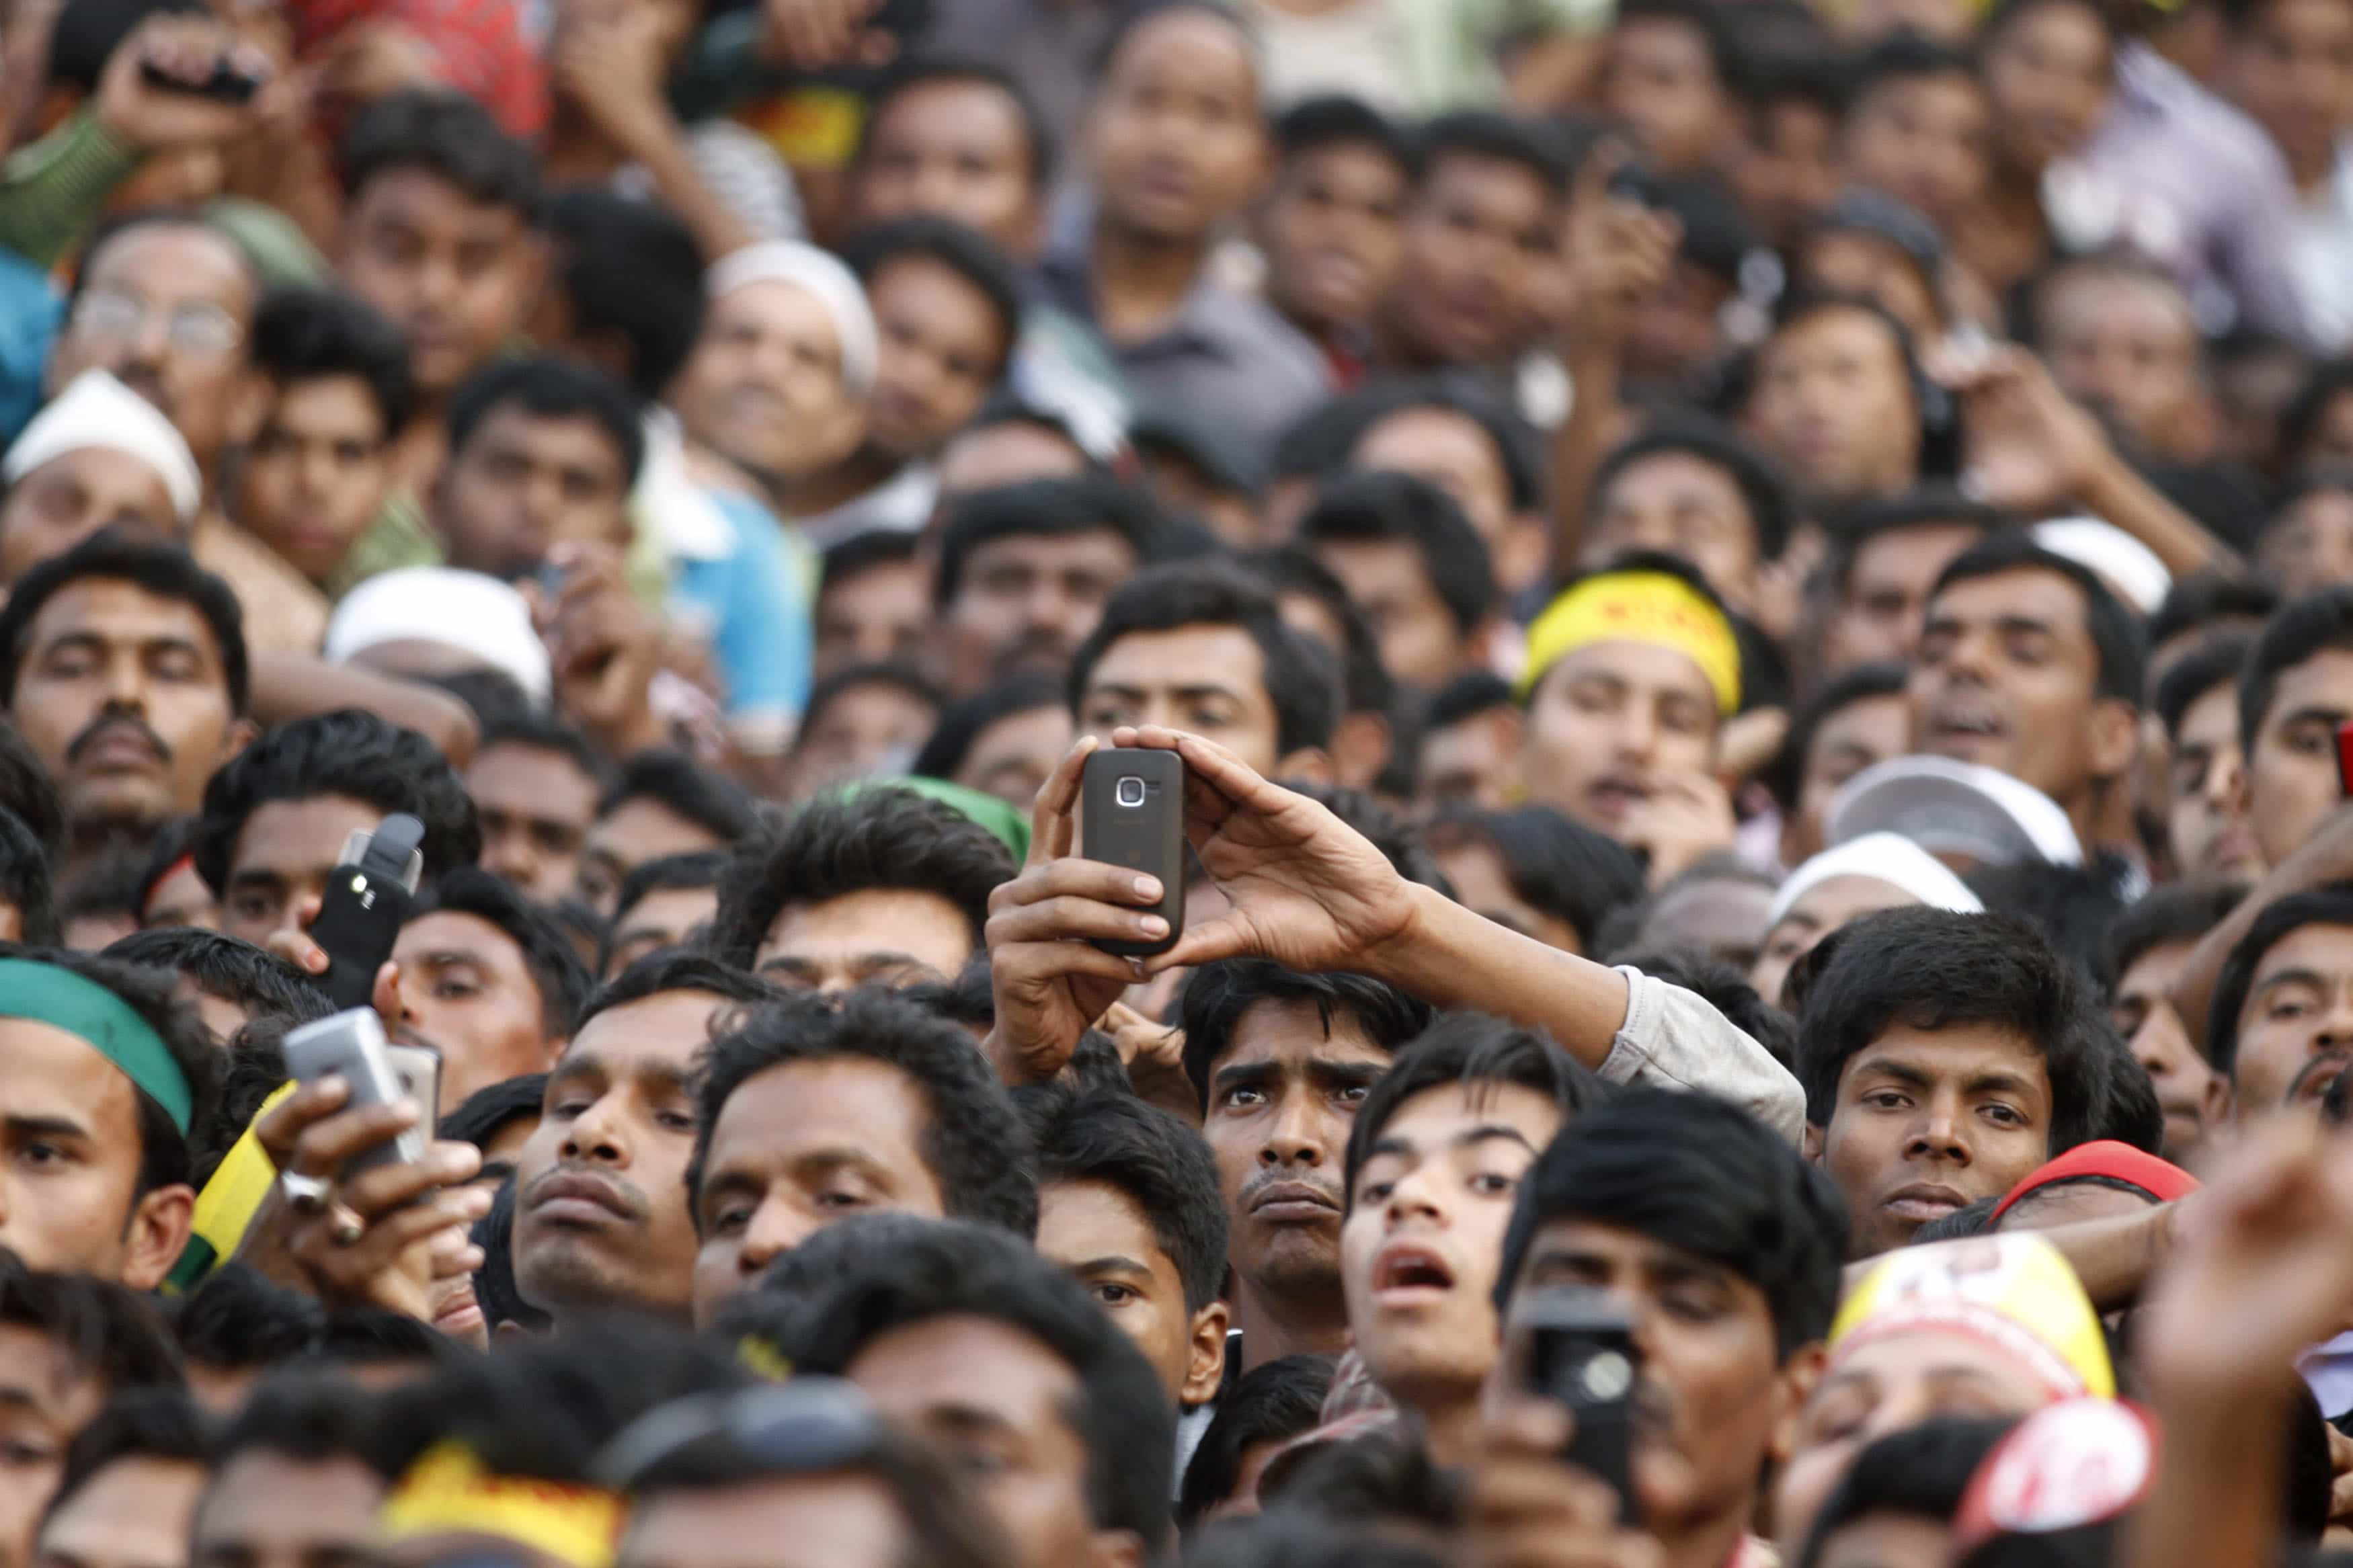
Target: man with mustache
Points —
{"points": [[2282, 1022], [123, 664], [601, 1215]]}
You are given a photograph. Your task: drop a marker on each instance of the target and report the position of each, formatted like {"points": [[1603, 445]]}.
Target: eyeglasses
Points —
{"points": [[808, 1424], [207, 331]]}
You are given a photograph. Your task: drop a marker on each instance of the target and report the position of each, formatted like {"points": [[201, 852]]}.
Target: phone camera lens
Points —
{"points": [[1130, 792]]}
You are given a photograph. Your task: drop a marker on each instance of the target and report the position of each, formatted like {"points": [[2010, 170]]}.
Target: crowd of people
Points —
{"points": [[1755, 604]]}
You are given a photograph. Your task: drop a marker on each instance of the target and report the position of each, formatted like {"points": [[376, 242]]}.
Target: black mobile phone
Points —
{"points": [[366, 900], [1580, 1349], [1132, 813], [226, 83]]}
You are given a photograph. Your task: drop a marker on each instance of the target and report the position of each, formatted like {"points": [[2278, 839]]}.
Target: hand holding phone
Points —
{"points": [[366, 902], [1576, 1347], [1131, 806], [350, 1044]]}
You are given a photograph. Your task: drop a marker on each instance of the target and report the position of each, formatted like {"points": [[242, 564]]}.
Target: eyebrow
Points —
{"points": [[2309, 714], [1491, 1132], [442, 957], [44, 1127], [1114, 1263], [1346, 1075], [1902, 1072], [2286, 977]]}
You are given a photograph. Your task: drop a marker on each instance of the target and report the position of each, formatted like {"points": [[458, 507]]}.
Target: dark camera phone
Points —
{"points": [[1132, 813], [226, 83], [1580, 1349], [1636, 181], [367, 899]]}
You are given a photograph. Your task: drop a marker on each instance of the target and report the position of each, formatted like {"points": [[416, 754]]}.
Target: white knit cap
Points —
{"points": [[822, 275], [1950, 807], [1883, 858], [466, 611], [2129, 568], [97, 411]]}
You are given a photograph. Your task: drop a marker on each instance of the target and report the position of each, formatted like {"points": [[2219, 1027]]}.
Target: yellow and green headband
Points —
{"points": [[450, 1491], [1653, 607], [45, 993]]}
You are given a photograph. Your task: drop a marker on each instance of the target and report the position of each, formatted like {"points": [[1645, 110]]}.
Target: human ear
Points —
{"points": [[157, 1234], [1206, 1373]]}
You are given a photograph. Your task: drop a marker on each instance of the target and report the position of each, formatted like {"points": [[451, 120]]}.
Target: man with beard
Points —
{"points": [[123, 664], [601, 1217]]}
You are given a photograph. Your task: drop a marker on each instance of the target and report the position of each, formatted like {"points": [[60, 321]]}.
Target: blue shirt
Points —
{"points": [[758, 603]]}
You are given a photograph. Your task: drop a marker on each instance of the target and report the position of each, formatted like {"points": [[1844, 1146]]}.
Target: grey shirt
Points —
{"points": [[1672, 1038]]}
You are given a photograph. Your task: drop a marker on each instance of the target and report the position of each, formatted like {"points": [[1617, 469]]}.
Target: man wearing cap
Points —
{"points": [[437, 620], [101, 1076], [1630, 672], [97, 454], [2091, 1180], [1877, 871]]}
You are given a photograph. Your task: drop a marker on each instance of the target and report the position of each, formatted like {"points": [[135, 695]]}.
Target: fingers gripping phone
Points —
{"points": [[1577, 1347], [352, 1046], [1132, 814], [365, 903]]}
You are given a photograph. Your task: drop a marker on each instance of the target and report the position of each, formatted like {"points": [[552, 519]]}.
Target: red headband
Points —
{"points": [[2116, 1162]]}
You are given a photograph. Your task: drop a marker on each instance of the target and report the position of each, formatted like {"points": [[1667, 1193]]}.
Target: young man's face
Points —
{"points": [[1608, 724], [1867, 266], [798, 1147], [1424, 1240], [2048, 75], [1866, 731], [1282, 1101], [841, 1519], [956, 150], [664, 917], [600, 1210], [874, 727], [1027, 601], [1472, 762], [122, 696], [1481, 255], [1682, 505], [2295, 1029], [1105, 1239], [47, 1395], [942, 346], [455, 274], [2308, 544], [1175, 136], [465, 988], [284, 854], [1209, 680], [1923, 140], [536, 805], [1390, 583], [315, 476], [634, 831], [2206, 816], [2127, 347], [68, 1200], [1454, 452], [132, 1514], [1722, 1402], [2292, 779], [1332, 232], [1833, 402], [878, 616], [1660, 84], [1012, 758], [267, 1509], [764, 387], [1788, 171], [1007, 452], [523, 482], [1928, 1122], [2008, 678], [876, 936], [2143, 1014], [2290, 67], [1482, 884], [168, 307], [71, 497], [1886, 604]]}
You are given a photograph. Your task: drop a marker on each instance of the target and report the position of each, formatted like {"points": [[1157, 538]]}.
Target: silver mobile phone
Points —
{"points": [[352, 1044]]}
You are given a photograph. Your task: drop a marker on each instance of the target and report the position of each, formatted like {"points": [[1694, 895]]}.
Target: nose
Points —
{"points": [[1415, 1196], [1936, 1134], [2335, 1031], [1294, 1139], [595, 1134], [775, 1229], [510, 854], [2226, 784], [1047, 609], [1637, 732]]}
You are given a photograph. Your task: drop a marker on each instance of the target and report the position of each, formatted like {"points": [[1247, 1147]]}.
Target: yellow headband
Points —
{"points": [[449, 1491], [2015, 1290], [1651, 607]]}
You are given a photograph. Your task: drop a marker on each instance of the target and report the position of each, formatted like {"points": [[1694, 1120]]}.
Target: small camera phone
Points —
{"points": [[1132, 813], [352, 1046], [1577, 1347], [366, 900], [226, 84]]}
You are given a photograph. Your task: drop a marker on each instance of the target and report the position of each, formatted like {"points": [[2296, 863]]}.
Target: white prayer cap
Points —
{"points": [[468, 611], [1948, 807], [1883, 858], [97, 411], [2129, 568], [822, 275]]}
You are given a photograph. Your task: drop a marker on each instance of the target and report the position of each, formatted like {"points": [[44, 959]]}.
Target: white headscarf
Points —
{"points": [[97, 411], [820, 274], [468, 611], [1883, 858]]}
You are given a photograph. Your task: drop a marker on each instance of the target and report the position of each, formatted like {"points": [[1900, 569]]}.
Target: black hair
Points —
{"points": [[110, 1332], [165, 1153], [1329, 119], [137, 1423], [85, 36], [545, 732], [632, 272], [490, 1110], [1923, 505], [1919, 1472], [236, 972], [166, 570], [879, 836], [1466, 1050], [1219, 995], [2116, 631], [2300, 421], [963, 251], [1472, 692], [1563, 868], [1397, 837], [1122, 1417], [102, 887], [974, 1142], [1999, 17], [843, 682], [1087, 503], [449, 136], [1905, 55], [1400, 508], [1156, 1161], [494, 696], [25, 881], [360, 1334], [26, 790], [1703, 1176], [861, 552], [1318, 442], [2070, 907], [1968, 1220], [1930, 969], [925, 68], [2330, 905], [549, 388], [253, 1068], [2177, 912], [2303, 628], [709, 799], [698, 869], [1702, 19], [1519, 450], [963, 721], [351, 753], [1284, 1538], [2206, 597], [1501, 138], [1785, 777], [1781, 70], [1301, 679], [555, 970], [309, 1415], [306, 333], [679, 969], [236, 1320], [1385, 1477], [1273, 1401], [2216, 661], [496, 1293], [1290, 569]]}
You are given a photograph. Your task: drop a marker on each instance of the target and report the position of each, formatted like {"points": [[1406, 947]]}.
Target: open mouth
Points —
{"points": [[1409, 1271]]}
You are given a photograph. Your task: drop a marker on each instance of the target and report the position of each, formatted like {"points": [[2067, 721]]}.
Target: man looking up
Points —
{"points": [[1884, 565], [535, 782], [1331, 224], [2030, 666], [97, 455], [2281, 1027], [1834, 401], [122, 665], [542, 452], [1415, 567], [2295, 690]]}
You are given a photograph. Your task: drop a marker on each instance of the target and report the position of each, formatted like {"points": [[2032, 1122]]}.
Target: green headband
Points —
{"points": [[48, 995]]}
